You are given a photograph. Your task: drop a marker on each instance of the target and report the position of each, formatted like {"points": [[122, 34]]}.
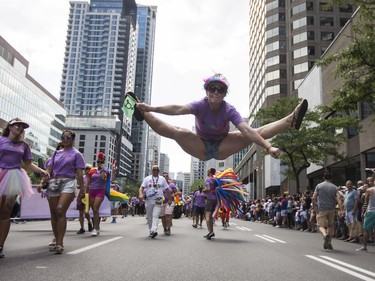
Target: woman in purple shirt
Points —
{"points": [[13, 180], [66, 169], [97, 183], [212, 138]]}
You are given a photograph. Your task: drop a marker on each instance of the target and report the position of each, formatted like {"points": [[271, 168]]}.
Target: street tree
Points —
{"points": [[355, 64], [317, 139]]}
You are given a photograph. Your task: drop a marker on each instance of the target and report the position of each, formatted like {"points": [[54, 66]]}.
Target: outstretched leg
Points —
{"points": [[189, 142]]}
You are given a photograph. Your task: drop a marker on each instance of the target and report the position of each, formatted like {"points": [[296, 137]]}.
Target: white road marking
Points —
{"points": [[94, 246], [343, 269], [350, 266], [244, 228], [278, 240], [269, 240]]}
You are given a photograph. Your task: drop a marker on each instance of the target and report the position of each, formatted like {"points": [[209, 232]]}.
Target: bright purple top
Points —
{"points": [[213, 125], [13, 153], [97, 181], [66, 162], [212, 183], [200, 198]]}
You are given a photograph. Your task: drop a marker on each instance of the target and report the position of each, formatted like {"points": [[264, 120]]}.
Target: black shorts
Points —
{"points": [[210, 205], [199, 210]]}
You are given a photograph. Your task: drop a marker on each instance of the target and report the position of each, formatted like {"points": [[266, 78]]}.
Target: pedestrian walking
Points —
{"points": [[324, 199], [14, 180]]}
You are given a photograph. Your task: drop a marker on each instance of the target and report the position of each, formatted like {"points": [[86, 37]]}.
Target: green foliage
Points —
{"points": [[355, 64], [131, 188], [196, 184], [317, 139]]}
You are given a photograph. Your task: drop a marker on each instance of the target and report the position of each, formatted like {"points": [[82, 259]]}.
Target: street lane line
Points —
{"points": [[244, 228], [350, 266], [278, 240], [93, 246], [343, 269], [269, 240]]}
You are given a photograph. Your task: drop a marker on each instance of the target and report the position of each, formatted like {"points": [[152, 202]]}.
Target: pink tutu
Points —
{"points": [[15, 182]]}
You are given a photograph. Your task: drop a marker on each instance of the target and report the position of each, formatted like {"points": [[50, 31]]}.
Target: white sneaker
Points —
{"points": [[94, 232]]}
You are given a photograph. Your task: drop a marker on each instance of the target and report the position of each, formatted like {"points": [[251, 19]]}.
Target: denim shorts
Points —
{"points": [[212, 149]]}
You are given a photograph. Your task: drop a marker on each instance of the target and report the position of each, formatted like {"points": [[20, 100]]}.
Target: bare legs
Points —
{"points": [[6, 206], [95, 205], [230, 144]]}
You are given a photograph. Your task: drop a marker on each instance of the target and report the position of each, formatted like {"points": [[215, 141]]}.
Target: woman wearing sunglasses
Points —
{"points": [[212, 138], [14, 180], [66, 169], [97, 182]]}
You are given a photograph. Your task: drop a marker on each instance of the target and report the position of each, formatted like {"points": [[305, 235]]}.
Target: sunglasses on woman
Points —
{"points": [[220, 90]]}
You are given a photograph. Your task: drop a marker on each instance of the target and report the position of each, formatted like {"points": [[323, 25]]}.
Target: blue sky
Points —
{"points": [[194, 39]]}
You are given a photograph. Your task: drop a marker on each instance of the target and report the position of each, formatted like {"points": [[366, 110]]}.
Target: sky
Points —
{"points": [[194, 39]]}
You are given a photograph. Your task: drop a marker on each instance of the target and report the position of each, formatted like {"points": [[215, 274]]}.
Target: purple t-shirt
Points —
{"points": [[200, 199], [97, 181], [213, 125], [66, 162], [211, 190], [172, 188], [12, 154]]}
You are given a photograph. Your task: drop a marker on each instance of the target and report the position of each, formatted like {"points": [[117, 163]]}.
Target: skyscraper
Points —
{"points": [[286, 37], [98, 69], [146, 18]]}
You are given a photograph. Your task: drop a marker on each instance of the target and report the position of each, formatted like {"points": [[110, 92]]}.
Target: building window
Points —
{"points": [[324, 7], [327, 36], [302, 67], [326, 21], [300, 53], [346, 8], [299, 37]]}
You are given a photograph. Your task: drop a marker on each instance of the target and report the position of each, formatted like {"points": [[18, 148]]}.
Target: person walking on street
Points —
{"points": [[211, 202], [351, 196], [199, 199], [97, 183], [325, 198], [152, 189], [13, 179], [81, 206], [66, 170], [166, 213], [369, 217]]}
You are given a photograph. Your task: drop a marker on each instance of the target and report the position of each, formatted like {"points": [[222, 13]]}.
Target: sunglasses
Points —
{"points": [[19, 127], [156, 170], [66, 138], [220, 90], [100, 162]]}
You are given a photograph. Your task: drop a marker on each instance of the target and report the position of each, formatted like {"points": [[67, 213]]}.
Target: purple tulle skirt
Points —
{"points": [[15, 182]]}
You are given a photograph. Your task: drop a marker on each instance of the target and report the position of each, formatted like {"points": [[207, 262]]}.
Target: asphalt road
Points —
{"points": [[123, 251]]}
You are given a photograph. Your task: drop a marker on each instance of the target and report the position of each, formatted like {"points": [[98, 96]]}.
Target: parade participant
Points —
{"points": [[66, 169], [97, 184], [212, 138], [152, 189], [81, 206], [199, 198], [166, 213], [14, 180], [211, 202], [324, 198], [369, 217]]}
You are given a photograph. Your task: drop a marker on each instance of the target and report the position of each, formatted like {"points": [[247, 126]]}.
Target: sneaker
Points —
{"points": [[52, 243], [330, 247], [59, 249], [354, 240], [210, 235], [114, 220], [168, 232], [207, 235], [326, 242], [194, 225], [1, 253], [94, 232], [153, 234], [90, 226], [362, 249], [81, 231]]}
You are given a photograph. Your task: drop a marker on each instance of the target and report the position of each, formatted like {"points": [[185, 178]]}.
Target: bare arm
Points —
{"points": [[253, 136], [165, 109], [140, 196]]}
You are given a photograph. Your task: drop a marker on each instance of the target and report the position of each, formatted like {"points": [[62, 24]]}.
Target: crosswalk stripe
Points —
{"points": [[244, 228], [341, 268], [94, 246]]}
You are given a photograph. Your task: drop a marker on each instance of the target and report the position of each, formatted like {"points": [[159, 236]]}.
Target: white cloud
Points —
{"points": [[194, 39]]}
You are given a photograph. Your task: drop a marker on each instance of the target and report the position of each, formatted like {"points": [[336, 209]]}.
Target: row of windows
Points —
{"points": [[323, 7]]}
